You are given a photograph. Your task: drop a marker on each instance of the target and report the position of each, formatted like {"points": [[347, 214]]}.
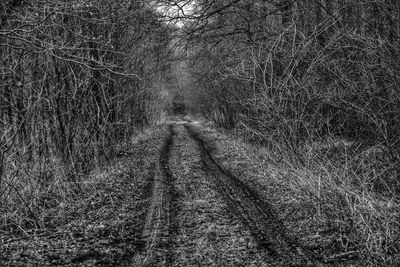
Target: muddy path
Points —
{"points": [[257, 215], [160, 225]]}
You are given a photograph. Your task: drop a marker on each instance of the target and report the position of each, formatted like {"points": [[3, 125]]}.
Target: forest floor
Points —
{"points": [[184, 195]]}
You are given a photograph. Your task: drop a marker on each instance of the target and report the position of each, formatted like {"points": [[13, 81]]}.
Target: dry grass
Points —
{"points": [[355, 197], [341, 200], [31, 194], [98, 224]]}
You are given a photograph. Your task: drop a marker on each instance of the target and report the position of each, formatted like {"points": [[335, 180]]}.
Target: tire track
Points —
{"points": [[161, 225], [257, 215]]}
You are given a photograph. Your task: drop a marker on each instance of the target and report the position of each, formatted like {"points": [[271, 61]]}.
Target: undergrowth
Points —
{"points": [[30, 192], [341, 198], [33, 195]]}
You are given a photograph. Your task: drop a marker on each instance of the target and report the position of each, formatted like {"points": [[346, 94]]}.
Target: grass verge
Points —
{"points": [[98, 225], [342, 201]]}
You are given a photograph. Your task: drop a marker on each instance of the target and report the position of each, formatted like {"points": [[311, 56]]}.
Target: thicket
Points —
{"points": [[77, 78], [317, 81]]}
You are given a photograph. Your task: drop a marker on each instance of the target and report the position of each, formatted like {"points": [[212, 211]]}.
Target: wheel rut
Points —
{"points": [[257, 215], [159, 231]]}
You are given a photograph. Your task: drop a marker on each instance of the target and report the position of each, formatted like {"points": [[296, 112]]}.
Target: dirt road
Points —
{"points": [[167, 244], [159, 226]]}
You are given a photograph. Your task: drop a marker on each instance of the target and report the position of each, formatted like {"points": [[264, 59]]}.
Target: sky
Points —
{"points": [[175, 11]]}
